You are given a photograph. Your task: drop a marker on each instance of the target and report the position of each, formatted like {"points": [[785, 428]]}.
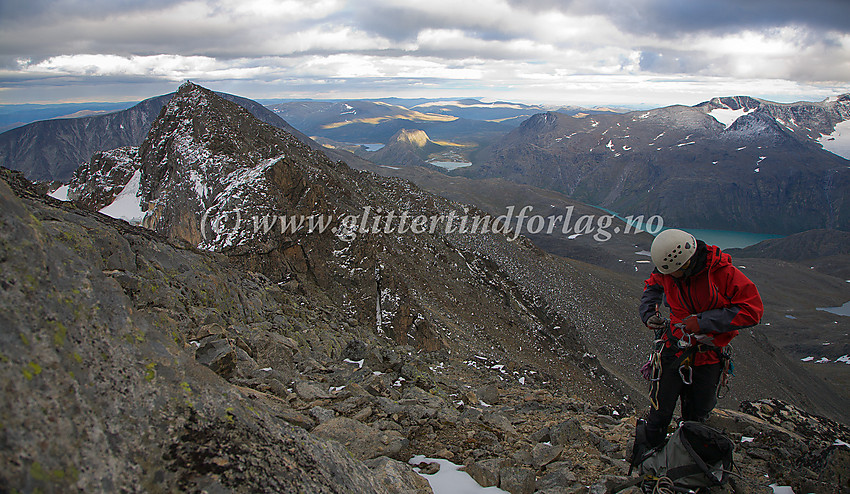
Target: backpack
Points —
{"points": [[695, 456]]}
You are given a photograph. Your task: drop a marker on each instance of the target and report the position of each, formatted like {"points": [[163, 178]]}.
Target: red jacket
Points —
{"points": [[719, 296]]}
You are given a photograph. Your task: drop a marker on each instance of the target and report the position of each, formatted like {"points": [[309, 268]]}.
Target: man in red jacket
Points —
{"points": [[709, 301]]}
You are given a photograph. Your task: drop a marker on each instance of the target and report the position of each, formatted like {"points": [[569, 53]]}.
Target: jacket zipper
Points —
{"points": [[683, 293]]}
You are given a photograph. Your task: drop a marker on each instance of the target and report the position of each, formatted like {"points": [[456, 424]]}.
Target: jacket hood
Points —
{"points": [[708, 256], [717, 258]]}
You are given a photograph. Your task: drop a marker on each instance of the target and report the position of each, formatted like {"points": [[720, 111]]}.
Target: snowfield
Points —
{"points": [[727, 116], [839, 141], [127, 205]]}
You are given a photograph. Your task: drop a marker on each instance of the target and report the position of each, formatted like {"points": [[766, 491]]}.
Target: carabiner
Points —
{"points": [[690, 378], [686, 341]]}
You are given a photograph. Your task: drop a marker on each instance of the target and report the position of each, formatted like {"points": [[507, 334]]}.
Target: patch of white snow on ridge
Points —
{"points": [[61, 193], [127, 205], [839, 141], [200, 188], [727, 116], [450, 479]]}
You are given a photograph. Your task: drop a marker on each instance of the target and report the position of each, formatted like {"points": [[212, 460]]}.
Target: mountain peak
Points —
{"points": [[205, 153], [414, 137]]}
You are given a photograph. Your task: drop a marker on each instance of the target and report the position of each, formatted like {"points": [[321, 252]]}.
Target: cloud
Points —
{"points": [[508, 45]]}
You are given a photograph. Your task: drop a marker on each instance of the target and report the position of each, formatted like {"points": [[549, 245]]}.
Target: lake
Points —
{"points": [[725, 239], [450, 165]]}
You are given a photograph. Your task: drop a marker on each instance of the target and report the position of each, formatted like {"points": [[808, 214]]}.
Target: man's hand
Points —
{"points": [[692, 324], [656, 322]]}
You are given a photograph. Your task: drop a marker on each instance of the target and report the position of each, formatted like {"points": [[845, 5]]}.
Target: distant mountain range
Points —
{"points": [[734, 163], [50, 150]]}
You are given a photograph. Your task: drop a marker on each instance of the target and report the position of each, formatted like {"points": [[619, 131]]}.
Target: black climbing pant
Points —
{"points": [[698, 398]]}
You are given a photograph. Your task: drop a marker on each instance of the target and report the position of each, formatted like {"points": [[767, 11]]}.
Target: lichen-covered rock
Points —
{"points": [[103, 394], [363, 441], [398, 477]]}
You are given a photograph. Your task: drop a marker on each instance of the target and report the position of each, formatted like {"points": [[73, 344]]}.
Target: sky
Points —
{"points": [[637, 53]]}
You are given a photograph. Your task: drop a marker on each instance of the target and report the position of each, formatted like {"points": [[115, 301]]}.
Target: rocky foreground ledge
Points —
{"points": [[133, 364]]}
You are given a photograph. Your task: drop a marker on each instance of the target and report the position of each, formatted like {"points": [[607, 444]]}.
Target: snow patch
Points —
{"points": [[781, 489], [61, 193], [451, 480], [127, 205], [358, 363], [839, 141], [727, 116]]}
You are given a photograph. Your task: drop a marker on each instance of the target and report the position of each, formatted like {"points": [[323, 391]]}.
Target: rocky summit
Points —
{"points": [[166, 359]]}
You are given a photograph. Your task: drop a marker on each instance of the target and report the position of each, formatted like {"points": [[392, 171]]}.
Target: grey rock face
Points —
{"points": [[93, 378]]}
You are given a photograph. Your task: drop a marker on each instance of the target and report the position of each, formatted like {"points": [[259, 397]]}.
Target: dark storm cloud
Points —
{"points": [[404, 23], [668, 18]]}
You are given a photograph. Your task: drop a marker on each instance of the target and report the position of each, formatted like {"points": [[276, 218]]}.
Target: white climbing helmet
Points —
{"points": [[671, 249]]}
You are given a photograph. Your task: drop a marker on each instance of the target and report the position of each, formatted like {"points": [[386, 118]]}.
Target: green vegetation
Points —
{"points": [[150, 371], [31, 370]]}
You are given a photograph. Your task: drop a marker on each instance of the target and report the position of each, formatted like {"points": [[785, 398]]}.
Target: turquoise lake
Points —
{"points": [[725, 239]]}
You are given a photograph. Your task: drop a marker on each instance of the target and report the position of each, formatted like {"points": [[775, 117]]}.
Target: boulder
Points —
{"points": [[310, 391], [543, 454], [218, 354], [361, 440], [485, 472], [568, 432], [398, 477], [517, 480]]}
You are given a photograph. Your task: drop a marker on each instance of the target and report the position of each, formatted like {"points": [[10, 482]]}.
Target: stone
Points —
{"points": [[500, 422], [217, 354], [311, 391], [361, 440], [398, 477], [568, 432], [362, 414], [322, 414], [543, 454], [836, 469], [415, 394], [485, 472], [517, 480], [523, 457], [557, 478]]}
